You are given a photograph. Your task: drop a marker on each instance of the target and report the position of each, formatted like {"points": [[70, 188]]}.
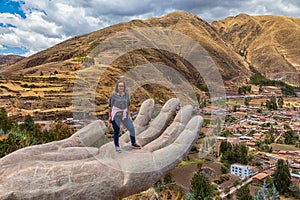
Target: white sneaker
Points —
{"points": [[118, 149]]}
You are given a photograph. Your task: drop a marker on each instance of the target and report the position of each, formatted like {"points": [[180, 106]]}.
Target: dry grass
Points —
{"points": [[183, 175], [214, 166], [284, 147], [30, 94], [11, 86], [57, 109], [46, 89]]}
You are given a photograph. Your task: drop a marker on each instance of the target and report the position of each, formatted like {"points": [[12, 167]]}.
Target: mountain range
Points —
{"points": [[269, 44]]}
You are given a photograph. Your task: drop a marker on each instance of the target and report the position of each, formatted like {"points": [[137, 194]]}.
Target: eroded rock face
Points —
{"points": [[75, 168]]}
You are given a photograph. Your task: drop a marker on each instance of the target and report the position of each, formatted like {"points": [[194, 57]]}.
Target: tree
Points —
{"points": [[225, 146], [234, 154], [244, 89], [247, 101], [262, 193], [282, 177], [268, 104], [224, 169], [168, 178], [6, 123], [241, 154], [164, 183], [225, 133], [28, 124], [241, 90], [289, 137], [273, 103], [260, 90], [235, 108], [200, 188], [60, 131], [295, 190], [280, 101], [31, 134], [265, 193], [275, 194], [244, 193]]}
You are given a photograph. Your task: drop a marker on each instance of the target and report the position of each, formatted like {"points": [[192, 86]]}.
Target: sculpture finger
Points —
{"points": [[173, 131], [160, 122], [60, 150], [142, 120], [144, 168], [168, 157], [89, 134]]}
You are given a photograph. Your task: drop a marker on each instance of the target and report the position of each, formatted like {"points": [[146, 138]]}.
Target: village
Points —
{"points": [[270, 134]]}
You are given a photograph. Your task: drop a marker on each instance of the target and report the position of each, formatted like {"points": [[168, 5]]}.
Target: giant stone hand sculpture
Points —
{"points": [[74, 169]]}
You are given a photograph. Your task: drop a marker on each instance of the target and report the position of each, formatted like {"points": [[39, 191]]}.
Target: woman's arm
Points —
{"points": [[128, 108], [109, 114], [109, 109], [128, 113]]}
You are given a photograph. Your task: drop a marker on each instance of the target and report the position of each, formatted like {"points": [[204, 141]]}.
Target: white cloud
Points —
{"points": [[33, 33], [8, 18], [49, 22], [38, 24], [29, 53], [2, 47], [9, 39]]}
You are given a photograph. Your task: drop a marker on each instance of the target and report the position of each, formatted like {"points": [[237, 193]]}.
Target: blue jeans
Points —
{"points": [[116, 126]]}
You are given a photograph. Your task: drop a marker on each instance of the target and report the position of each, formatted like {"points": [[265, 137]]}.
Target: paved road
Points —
{"points": [[233, 189]]}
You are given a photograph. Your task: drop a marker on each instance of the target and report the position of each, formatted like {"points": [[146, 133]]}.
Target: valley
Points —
{"points": [[256, 58]]}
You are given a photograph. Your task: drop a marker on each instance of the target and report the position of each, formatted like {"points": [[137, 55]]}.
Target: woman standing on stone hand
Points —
{"points": [[119, 112]]}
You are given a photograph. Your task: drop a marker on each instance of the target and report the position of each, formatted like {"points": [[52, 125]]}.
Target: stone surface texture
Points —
{"points": [[75, 169]]}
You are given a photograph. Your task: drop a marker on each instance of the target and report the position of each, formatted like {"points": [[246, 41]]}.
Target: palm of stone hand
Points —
{"points": [[74, 169]]}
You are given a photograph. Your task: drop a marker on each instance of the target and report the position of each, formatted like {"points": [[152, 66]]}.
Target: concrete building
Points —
{"points": [[242, 171]]}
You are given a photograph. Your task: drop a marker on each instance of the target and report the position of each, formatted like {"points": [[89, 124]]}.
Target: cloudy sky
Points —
{"points": [[29, 26]]}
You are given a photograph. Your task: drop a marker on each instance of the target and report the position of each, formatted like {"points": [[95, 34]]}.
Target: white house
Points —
{"points": [[243, 171]]}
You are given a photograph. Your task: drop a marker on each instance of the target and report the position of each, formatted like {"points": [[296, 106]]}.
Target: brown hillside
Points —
{"points": [[270, 43], [37, 92], [75, 49], [9, 60]]}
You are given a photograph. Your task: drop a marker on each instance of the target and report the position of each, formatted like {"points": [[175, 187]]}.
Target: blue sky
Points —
{"points": [[29, 26], [11, 7]]}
